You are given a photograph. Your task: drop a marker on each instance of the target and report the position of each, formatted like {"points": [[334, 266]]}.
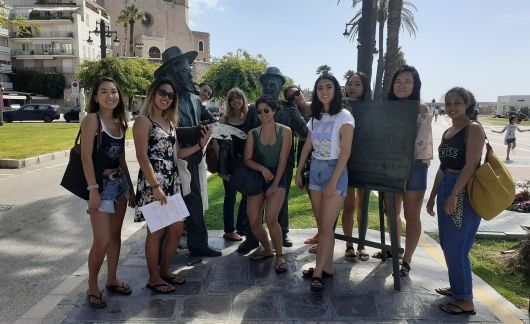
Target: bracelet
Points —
{"points": [[155, 186], [92, 186]]}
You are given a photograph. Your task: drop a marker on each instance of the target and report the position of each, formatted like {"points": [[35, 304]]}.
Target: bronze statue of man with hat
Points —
{"points": [[272, 81], [176, 67]]}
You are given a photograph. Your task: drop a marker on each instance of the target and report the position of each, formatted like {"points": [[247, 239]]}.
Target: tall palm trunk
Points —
{"points": [[378, 88], [131, 35], [366, 38], [123, 51], [392, 41]]}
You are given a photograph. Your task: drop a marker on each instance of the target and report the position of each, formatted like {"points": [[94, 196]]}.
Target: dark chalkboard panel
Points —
{"points": [[383, 144]]}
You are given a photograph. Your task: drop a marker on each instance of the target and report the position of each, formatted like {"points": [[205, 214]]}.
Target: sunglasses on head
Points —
{"points": [[294, 94], [264, 111], [164, 93]]}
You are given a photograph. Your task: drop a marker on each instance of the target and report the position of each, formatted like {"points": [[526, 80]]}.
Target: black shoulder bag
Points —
{"points": [[245, 180]]}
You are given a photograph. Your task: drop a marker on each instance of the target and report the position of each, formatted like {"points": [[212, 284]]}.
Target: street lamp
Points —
{"points": [[139, 45], [104, 32], [346, 31], [1, 105]]}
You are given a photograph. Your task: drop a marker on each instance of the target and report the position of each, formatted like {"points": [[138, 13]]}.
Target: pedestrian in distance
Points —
{"points": [[155, 141], [406, 85], [509, 138], [357, 89], [108, 197], [460, 153], [273, 141], [235, 114], [330, 137]]}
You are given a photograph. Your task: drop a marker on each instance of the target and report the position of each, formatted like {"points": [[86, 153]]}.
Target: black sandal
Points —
{"points": [[309, 273], [317, 284], [100, 302], [405, 269]]}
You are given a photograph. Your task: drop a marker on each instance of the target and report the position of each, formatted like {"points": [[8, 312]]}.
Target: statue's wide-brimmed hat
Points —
{"points": [[171, 57], [272, 71]]}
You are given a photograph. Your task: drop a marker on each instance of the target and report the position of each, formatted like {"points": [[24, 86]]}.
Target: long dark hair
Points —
{"points": [[417, 83], [336, 103], [118, 112], [367, 91]]}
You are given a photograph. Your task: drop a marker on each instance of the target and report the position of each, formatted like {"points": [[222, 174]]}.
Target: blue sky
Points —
{"points": [[483, 45]]}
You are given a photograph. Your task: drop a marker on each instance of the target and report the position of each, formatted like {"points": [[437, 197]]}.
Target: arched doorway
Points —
{"points": [[154, 52]]}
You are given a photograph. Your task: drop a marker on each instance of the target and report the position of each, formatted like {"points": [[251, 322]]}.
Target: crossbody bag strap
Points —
{"points": [[486, 141]]}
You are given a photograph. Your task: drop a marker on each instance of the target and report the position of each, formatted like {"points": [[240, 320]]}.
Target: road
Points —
{"points": [[45, 234]]}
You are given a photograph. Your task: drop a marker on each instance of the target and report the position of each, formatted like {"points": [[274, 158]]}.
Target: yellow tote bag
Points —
{"points": [[491, 189]]}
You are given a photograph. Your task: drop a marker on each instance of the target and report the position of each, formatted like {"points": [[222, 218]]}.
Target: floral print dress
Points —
{"points": [[160, 151]]}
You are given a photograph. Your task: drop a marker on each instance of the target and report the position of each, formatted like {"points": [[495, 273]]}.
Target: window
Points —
{"points": [[147, 20], [201, 46], [154, 52]]}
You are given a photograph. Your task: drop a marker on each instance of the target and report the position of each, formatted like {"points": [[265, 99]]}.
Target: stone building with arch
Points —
{"points": [[165, 24]]}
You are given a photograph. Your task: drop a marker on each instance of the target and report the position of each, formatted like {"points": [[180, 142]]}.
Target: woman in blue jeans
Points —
{"points": [[459, 153], [235, 114]]}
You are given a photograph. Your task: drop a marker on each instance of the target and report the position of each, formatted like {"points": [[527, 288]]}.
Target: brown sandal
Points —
{"points": [[350, 255], [233, 236], [100, 303]]}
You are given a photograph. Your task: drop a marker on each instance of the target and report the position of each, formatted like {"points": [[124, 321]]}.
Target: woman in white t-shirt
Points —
{"points": [[331, 134]]}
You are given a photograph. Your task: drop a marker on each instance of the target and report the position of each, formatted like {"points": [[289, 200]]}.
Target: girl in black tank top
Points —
{"points": [[460, 153]]}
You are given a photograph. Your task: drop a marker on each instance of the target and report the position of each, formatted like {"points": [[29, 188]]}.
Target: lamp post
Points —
{"points": [[103, 32], [1, 105]]}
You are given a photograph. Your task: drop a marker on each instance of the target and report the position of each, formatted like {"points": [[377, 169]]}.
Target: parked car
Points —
{"points": [[72, 114], [520, 116], [47, 113]]}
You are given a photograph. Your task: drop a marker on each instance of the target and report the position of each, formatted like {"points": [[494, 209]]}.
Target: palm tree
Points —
{"points": [[348, 74], [130, 15], [406, 22], [323, 69], [122, 18]]}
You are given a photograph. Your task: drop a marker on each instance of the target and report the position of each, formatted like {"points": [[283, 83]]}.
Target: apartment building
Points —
{"points": [[56, 39], [5, 52]]}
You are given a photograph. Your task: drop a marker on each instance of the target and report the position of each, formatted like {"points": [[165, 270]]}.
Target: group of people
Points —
{"points": [[325, 129]]}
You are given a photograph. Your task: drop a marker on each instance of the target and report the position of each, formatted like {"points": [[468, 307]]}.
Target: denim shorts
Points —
{"points": [[320, 174], [113, 188], [281, 184], [509, 141], [418, 176]]}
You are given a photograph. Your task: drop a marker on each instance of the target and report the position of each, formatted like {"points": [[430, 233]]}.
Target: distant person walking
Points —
{"points": [[509, 139], [110, 190], [460, 153], [330, 137]]}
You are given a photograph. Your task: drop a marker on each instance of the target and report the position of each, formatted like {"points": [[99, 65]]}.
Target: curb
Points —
{"points": [[22, 163]]}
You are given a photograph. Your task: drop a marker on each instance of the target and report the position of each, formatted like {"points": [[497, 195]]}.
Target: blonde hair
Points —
{"points": [[229, 111], [170, 114]]}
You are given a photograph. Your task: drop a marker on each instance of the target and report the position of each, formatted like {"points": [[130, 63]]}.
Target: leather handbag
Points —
{"points": [[491, 189], [212, 156], [74, 177], [245, 180]]}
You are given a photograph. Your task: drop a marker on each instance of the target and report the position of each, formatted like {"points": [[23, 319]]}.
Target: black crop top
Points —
{"points": [[452, 151]]}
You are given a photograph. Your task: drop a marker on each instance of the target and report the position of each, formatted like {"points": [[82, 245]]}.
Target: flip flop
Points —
{"points": [[460, 310], [444, 291], [311, 240], [175, 280], [350, 255], [362, 255], [317, 285], [154, 288], [100, 304], [405, 269], [313, 249], [232, 237], [121, 289]]}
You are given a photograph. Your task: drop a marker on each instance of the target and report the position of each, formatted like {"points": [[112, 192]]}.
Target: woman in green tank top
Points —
{"points": [[273, 144]]}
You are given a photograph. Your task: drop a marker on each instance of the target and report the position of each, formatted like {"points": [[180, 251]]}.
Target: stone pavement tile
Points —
{"points": [[307, 306], [262, 307], [214, 307], [397, 305], [352, 306]]}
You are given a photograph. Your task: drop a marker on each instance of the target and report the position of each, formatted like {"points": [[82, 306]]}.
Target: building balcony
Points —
{"points": [[40, 54], [48, 69], [40, 35], [6, 68], [5, 49], [7, 85]]}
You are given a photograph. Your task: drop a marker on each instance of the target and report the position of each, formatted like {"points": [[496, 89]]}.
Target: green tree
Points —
{"points": [[323, 69], [240, 70], [348, 74], [132, 75], [48, 84], [24, 26], [131, 14]]}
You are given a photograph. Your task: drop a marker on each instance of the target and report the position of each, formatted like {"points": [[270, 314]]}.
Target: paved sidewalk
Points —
{"points": [[231, 289]]}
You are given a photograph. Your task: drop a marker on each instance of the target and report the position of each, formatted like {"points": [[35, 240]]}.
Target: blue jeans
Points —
{"points": [[456, 243], [228, 210], [320, 174]]}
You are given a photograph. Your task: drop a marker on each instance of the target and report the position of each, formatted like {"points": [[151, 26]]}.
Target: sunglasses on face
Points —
{"points": [[264, 111], [234, 98], [164, 93]]}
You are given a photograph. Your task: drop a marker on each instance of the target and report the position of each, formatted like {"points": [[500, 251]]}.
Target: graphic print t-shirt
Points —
{"points": [[325, 134], [510, 131]]}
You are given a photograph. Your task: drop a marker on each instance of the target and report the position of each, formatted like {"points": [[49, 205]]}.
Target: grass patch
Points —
{"points": [[300, 212], [22, 140], [487, 262], [488, 120]]}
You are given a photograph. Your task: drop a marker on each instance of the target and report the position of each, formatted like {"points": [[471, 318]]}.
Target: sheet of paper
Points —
{"points": [[159, 216]]}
